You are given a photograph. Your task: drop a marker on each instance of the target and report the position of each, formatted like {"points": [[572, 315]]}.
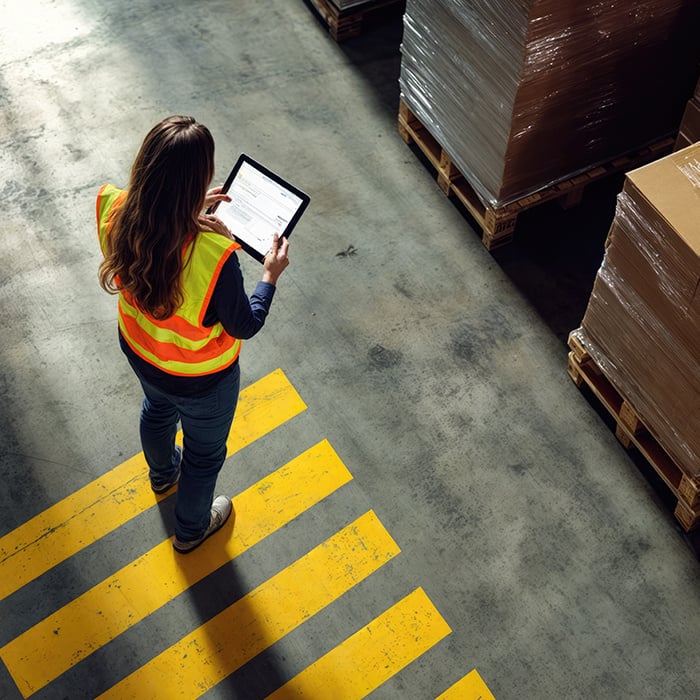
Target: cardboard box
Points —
{"points": [[646, 364], [670, 187], [666, 204], [636, 268], [642, 324]]}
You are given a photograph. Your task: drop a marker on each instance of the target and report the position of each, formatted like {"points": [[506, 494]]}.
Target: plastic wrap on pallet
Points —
{"points": [[525, 93], [461, 83], [633, 349], [642, 323], [646, 257]]}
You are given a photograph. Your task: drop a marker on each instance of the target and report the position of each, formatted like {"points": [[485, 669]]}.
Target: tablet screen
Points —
{"points": [[262, 204]]}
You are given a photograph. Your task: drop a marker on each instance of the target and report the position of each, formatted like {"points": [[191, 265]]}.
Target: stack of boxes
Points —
{"points": [[642, 324], [524, 94]]}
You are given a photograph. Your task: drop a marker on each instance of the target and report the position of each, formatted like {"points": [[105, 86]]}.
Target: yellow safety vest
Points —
{"points": [[181, 344]]}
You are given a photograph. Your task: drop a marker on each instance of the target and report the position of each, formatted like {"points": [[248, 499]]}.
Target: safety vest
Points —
{"points": [[181, 344]]}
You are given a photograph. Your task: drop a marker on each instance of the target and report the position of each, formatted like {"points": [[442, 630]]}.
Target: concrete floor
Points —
{"points": [[436, 370]]}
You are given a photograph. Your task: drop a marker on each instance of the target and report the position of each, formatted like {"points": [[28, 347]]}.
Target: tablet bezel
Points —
{"points": [[305, 199]]}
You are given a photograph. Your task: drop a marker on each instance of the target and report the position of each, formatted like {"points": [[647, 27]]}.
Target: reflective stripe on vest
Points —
{"points": [[180, 344]]}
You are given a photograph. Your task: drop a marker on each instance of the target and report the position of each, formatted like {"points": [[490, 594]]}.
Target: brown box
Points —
{"points": [[642, 324], [650, 369], [670, 187], [674, 305]]}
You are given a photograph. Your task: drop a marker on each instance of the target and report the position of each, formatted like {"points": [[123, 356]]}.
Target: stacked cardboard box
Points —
{"points": [[524, 94], [689, 131], [642, 324]]}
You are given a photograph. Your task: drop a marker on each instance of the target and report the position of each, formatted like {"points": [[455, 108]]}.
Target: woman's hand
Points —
{"points": [[209, 222], [213, 196], [276, 260]]}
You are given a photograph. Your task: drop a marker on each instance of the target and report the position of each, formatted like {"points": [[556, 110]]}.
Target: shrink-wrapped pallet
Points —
{"points": [[642, 323], [524, 93]]}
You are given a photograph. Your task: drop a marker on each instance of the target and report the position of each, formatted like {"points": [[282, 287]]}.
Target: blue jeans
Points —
{"points": [[206, 423]]}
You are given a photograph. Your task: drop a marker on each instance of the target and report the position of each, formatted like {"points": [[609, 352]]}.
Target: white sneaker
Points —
{"points": [[221, 510]]}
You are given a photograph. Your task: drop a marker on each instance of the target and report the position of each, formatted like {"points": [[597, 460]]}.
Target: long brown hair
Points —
{"points": [[144, 249]]}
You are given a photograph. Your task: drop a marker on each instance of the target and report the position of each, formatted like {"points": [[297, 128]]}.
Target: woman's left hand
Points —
{"points": [[215, 195]]}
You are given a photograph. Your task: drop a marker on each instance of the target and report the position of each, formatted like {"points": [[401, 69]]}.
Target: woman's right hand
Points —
{"points": [[212, 223], [276, 260]]}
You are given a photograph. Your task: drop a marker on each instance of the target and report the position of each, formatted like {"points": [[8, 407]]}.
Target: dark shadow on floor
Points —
{"points": [[556, 253], [375, 53]]}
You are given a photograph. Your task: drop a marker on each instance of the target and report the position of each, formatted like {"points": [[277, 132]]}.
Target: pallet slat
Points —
{"points": [[631, 431], [498, 222]]}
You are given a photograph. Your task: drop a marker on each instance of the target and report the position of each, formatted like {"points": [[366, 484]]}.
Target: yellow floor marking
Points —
{"points": [[372, 655], [63, 639], [216, 649], [471, 687], [122, 493]]}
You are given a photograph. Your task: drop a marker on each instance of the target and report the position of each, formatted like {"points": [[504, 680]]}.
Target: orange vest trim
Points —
{"points": [[212, 348], [177, 324], [214, 279]]}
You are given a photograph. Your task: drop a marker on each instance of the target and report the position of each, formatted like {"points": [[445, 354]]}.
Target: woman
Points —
{"points": [[183, 312]]}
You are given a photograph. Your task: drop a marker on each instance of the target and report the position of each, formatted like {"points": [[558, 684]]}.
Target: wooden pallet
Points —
{"points": [[498, 222], [349, 23], [631, 431]]}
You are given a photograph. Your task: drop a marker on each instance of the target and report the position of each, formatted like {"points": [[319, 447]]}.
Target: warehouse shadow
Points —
{"points": [[376, 55], [233, 626], [556, 253], [375, 52]]}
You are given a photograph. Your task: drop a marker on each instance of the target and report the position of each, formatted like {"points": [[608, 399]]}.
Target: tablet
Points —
{"points": [[262, 204]]}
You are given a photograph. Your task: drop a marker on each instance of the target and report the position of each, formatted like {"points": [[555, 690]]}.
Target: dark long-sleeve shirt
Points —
{"points": [[241, 316]]}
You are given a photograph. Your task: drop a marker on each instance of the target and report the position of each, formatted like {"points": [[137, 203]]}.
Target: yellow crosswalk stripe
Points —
{"points": [[63, 639], [122, 493], [372, 655], [223, 644], [471, 687]]}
